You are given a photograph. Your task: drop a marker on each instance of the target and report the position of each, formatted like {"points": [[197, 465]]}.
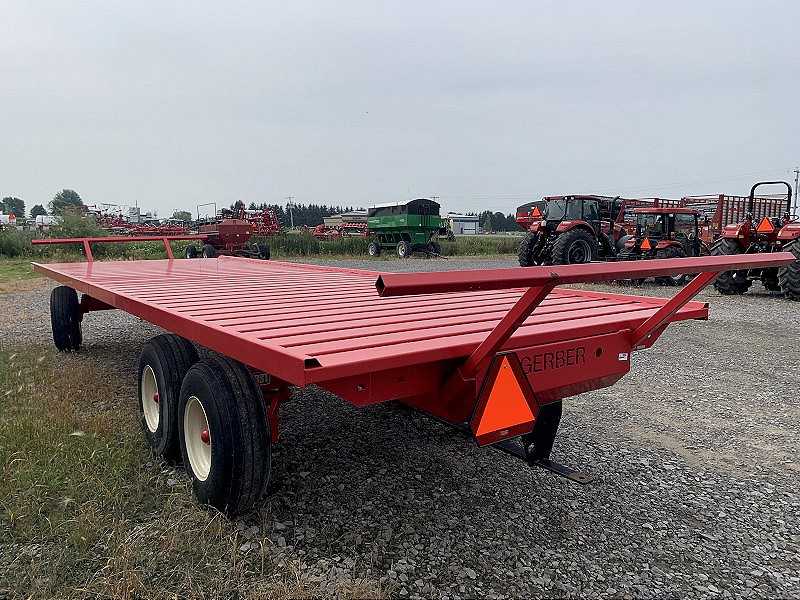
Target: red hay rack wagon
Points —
{"points": [[491, 352]]}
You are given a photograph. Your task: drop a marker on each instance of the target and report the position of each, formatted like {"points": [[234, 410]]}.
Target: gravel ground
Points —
{"points": [[696, 452]]}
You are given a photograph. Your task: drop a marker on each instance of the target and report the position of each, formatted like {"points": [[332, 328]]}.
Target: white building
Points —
{"points": [[463, 224]]}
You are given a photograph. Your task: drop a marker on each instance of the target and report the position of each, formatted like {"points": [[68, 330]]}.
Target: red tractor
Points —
{"points": [[569, 230], [665, 233], [751, 236]]}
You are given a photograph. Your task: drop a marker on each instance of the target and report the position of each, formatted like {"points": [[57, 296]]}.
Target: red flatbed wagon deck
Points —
{"points": [[491, 352]]}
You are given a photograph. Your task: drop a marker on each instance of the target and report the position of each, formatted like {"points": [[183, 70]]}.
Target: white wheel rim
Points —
{"points": [[150, 399], [195, 423]]}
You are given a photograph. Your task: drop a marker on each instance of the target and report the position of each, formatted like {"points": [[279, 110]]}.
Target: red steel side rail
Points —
{"points": [[541, 281], [403, 284], [140, 238]]}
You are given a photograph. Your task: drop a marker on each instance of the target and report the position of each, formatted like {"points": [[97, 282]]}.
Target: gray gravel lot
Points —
{"points": [[696, 452]]}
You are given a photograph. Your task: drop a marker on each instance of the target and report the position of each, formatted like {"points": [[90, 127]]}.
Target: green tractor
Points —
{"points": [[405, 227]]}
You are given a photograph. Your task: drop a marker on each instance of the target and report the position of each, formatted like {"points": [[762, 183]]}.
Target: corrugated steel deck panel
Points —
{"points": [[305, 323]]}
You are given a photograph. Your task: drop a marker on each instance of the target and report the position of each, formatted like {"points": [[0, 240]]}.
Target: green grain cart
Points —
{"points": [[405, 227]]}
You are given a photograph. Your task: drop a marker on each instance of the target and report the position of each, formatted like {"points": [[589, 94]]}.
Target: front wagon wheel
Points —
{"points": [[224, 435], [65, 318]]}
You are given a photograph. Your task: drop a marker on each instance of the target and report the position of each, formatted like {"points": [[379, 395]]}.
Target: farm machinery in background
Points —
{"points": [[326, 232], [565, 230], [762, 230], [665, 233], [228, 233], [405, 227]]}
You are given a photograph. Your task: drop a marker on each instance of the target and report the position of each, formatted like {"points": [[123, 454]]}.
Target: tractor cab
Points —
{"points": [[657, 228], [564, 209]]}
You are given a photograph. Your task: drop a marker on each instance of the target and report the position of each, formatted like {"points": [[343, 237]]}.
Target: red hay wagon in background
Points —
{"points": [[491, 352]]}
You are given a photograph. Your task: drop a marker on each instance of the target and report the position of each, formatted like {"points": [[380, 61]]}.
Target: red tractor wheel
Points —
{"points": [[526, 249], [628, 254], [671, 252], [730, 282], [789, 276], [573, 247]]}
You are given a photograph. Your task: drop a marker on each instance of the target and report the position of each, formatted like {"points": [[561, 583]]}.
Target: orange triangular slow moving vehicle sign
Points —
{"points": [[506, 406], [536, 212], [646, 244], [765, 226]]}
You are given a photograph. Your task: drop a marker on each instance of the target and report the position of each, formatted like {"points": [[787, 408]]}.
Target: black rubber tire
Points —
{"points": [[404, 249], [629, 254], [525, 250], [263, 251], [789, 276], [671, 252], [65, 319], [730, 282], [240, 447], [164, 362], [575, 246], [374, 248], [191, 251], [209, 251], [434, 248]]}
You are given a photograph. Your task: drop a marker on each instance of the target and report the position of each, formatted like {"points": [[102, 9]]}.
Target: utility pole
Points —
{"points": [[291, 214], [796, 178]]}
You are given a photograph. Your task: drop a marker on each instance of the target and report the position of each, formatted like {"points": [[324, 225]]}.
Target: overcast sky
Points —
{"points": [[486, 105]]}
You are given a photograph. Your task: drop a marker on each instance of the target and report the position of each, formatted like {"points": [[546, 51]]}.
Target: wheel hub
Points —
{"points": [[197, 437], [150, 398]]}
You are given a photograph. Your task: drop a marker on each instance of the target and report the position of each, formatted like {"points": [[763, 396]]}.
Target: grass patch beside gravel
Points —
{"points": [[16, 269], [86, 510]]}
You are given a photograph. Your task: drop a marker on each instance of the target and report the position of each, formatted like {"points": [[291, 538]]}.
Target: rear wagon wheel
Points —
{"points": [[209, 251], [164, 361], [224, 435], [404, 249], [191, 251], [65, 318]]}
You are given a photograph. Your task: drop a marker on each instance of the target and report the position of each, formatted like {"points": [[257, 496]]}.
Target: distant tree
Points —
{"points": [[252, 206], [182, 215], [63, 199], [499, 221], [14, 206], [486, 223], [37, 210]]}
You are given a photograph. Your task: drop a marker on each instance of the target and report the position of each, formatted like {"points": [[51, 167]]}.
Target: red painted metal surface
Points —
{"points": [[308, 324]]}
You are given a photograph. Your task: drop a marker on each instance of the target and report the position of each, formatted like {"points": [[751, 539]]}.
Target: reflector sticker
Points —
{"points": [[646, 244], [623, 356], [506, 406], [765, 226]]}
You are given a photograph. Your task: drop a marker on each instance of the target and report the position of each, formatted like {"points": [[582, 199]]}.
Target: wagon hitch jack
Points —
{"points": [[537, 445]]}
